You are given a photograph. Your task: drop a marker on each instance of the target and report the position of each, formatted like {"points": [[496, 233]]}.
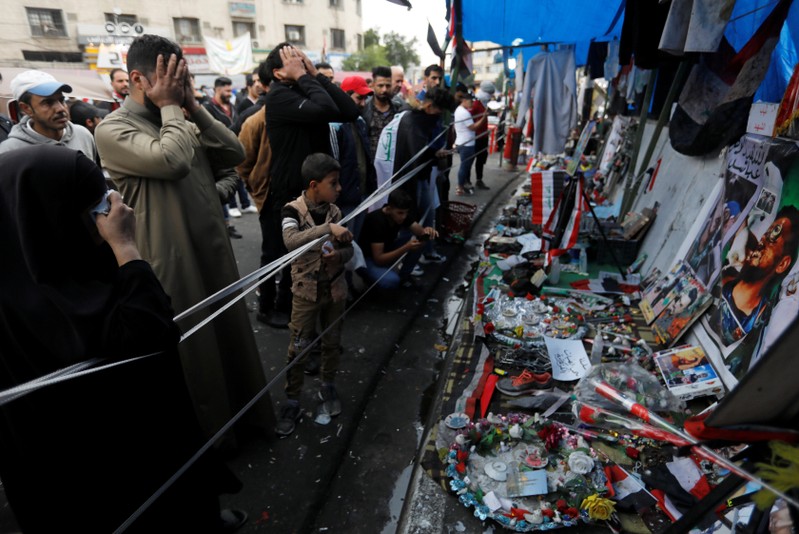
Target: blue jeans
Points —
{"points": [[467, 159], [242, 191], [393, 279]]}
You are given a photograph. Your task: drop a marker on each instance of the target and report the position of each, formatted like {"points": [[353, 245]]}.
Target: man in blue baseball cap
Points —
{"points": [[46, 121]]}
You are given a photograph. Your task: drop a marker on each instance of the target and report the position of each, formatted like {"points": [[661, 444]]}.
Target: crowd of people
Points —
{"points": [[107, 275]]}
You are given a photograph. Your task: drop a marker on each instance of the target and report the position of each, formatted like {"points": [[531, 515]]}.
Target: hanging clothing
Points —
{"points": [[551, 85], [695, 25], [84, 454]]}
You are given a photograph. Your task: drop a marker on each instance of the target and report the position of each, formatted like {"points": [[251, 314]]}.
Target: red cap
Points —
{"points": [[357, 84]]}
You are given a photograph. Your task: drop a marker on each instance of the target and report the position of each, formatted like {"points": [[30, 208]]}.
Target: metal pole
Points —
{"points": [[639, 136]]}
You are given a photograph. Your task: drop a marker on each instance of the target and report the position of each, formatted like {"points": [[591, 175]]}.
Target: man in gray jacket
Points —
{"points": [[46, 121]]}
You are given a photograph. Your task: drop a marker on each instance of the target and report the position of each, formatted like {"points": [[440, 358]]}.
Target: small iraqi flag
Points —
{"points": [[628, 491]]}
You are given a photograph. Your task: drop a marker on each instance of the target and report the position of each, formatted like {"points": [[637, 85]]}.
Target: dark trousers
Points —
{"points": [[243, 198], [273, 296], [481, 155]]}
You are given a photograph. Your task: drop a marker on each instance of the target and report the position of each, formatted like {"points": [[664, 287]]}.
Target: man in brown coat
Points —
{"points": [[167, 168]]}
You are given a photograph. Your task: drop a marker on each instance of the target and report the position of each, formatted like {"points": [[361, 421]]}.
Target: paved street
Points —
{"points": [[352, 474]]}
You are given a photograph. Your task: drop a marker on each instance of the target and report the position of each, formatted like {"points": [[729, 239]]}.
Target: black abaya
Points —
{"points": [[82, 455]]}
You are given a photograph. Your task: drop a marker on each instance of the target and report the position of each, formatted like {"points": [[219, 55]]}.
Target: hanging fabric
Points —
{"points": [[713, 108]]}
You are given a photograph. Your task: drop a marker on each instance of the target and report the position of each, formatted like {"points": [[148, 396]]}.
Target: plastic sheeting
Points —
{"points": [[526, 22]]}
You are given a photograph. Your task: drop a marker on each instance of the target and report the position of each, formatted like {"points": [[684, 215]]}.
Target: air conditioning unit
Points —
{"points": [[255, 44]]}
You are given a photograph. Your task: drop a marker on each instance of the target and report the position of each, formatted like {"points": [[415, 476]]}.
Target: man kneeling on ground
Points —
{"points": [[389, 233]]}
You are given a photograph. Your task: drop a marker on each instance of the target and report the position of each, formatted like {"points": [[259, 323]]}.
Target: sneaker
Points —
{"points": [[524, 383], [330, 403], [253, 209], [417, 271], [469, 189], [233, 233], [482, 185], [433, 257], [234, 212], [289, 415]]}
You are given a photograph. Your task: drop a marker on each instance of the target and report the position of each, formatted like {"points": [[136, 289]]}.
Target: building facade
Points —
{"points": [[68, 33]]}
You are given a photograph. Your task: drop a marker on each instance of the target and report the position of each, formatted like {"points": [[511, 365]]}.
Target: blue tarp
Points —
{"points": [[516, 22]]}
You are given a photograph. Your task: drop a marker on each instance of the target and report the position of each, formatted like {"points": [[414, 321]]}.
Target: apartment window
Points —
{"points": [[187, 30], [46, 22], [128, 19], [52, 57], [359, 41], [293, 1], [337, 38], [358, 7], [295, 34], [240, 28], [338, 4]]}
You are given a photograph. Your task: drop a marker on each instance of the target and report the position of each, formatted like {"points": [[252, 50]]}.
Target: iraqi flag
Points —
{"points": [[545, 189], [678, 485], [627, 490], [563, 226]]}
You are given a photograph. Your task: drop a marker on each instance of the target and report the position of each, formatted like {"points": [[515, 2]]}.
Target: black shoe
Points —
{"points": [[233, 233], [230, 519], [289, 415], [482, 185], [330, 403], [275, 319]]}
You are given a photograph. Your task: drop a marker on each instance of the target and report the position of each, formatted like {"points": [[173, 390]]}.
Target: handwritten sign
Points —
{"points": [[569, 359], [762, 117]]}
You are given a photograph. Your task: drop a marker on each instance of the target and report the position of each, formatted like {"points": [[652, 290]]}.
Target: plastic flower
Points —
{"points": [[580, 463], [598, 507]]}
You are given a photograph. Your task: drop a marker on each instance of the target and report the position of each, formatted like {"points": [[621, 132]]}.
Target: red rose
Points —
{"points": [[572, 512], [462, 455], [461, 468], [488, 328], [561, 504], [548, 512]]}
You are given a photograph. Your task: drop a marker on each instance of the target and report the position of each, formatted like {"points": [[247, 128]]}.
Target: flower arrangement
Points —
{"points": [[574, 480]]}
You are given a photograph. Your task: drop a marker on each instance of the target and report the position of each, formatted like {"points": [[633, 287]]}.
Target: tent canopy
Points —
{"points": [[578, 22], [85, 83]]}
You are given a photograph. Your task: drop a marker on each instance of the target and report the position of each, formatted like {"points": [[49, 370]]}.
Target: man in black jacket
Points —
{"points": [[300, 104]]}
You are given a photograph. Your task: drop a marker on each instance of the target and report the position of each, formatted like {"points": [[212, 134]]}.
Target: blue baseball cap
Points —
{"points": [[38, 83]]}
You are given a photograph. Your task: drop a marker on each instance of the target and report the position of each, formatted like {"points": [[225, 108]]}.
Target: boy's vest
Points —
{"points": [[305, 269]]}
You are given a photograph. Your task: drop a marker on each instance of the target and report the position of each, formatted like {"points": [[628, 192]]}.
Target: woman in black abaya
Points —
{"points": [[84, 454]]}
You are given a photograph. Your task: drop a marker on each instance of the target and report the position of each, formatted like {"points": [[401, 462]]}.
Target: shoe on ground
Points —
{"points": [[234, 212], [233, 233], [417, 271], [460, 191], [482, 185], [433, 257], [253, 209], [469, 189], [331, 405], [287, 422], [525, 383], [230, 519], [313, 362], [275, 319]]}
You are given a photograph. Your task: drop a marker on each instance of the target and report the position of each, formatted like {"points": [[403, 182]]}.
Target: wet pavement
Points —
{"points": [[353, 474]]}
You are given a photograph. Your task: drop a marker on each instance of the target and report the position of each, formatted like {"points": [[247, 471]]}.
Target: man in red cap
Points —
{"points": [[351, 148]]}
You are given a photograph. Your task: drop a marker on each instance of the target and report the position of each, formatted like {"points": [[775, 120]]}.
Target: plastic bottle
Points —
{"points": [[583, 261]]}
